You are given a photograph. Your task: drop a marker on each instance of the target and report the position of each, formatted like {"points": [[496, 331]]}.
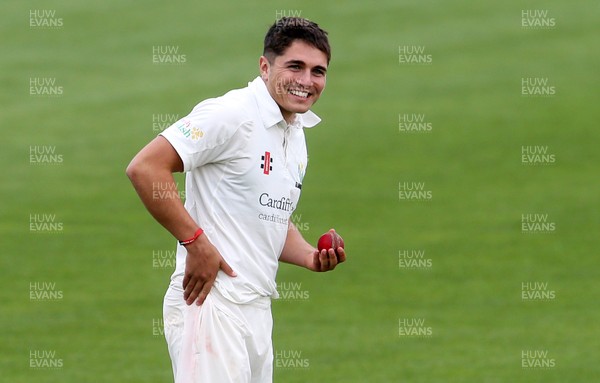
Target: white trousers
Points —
{"points": [[220, 341]]}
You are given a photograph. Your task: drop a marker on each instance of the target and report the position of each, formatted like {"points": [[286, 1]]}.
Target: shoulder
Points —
{"points": [[228, 109], [221, 116]]}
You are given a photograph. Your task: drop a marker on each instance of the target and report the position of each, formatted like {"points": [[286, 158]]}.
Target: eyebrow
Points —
{"points": [[300, 62]]}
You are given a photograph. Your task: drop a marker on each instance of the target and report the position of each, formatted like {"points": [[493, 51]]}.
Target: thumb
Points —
{"points": [[227, 269]]}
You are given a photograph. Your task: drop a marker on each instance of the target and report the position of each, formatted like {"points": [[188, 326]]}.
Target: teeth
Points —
{"points": [[298, 93]]}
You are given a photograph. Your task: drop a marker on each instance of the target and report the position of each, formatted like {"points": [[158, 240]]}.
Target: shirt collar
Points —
{"points": [[269, 110]]}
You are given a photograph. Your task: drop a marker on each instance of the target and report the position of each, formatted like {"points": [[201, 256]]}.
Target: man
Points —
{"points": [[244, 155]]}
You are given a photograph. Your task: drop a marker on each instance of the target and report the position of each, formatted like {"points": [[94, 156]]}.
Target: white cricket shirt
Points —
{"points": [[244, 175]]}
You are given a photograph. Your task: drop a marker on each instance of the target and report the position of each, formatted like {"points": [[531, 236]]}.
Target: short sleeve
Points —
{"points": [[205, 135]]}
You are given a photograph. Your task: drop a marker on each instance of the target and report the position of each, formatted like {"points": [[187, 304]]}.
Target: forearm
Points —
{"points": [[296, 250], [165, 207]]}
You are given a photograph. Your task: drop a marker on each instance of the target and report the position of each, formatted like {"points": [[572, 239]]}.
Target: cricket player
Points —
{"points": [[245, 156]]}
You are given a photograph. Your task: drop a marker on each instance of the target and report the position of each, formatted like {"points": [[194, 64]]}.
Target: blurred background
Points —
{"points": [[457, 157]]}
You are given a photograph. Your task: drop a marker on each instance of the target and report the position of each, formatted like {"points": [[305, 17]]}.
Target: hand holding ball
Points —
{"points": [[330, 240], [330, 252]]}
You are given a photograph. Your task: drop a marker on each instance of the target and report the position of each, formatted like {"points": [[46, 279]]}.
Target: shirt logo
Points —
{"points": [[189, 131], [267, 161], [283, 203]]}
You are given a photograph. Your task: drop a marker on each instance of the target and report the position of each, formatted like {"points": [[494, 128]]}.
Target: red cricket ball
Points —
{"points": [[330, 240]]}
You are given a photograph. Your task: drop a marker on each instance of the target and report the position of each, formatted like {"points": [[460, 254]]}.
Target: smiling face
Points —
{"points": [[296, 78]]}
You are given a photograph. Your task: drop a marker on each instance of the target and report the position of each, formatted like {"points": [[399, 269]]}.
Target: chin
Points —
{"points": [[302, 108]]}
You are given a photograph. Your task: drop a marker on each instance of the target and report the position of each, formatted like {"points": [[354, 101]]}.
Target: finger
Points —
{"points": [[341, 255], [227, 269], [333, 261], [195, 292], [316, 262], [324, 258], [188, 286], [204, 293]]}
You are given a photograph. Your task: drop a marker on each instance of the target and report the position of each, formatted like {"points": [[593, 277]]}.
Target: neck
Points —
{"points": [[289, 117]]}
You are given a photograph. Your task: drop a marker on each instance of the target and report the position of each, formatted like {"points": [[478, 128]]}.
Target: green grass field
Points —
{"points": [[82, 284]]}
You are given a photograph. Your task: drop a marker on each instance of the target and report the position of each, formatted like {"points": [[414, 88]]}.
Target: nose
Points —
{"points": [[304, 78]]}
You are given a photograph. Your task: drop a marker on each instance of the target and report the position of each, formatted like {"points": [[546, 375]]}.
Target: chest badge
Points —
{"points": [[266, 163]]}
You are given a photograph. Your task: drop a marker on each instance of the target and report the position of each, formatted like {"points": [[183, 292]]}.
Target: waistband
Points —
{"points": [[217, 293]]}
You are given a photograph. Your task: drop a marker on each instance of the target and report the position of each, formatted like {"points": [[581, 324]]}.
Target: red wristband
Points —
{"points": [[195, 237]]}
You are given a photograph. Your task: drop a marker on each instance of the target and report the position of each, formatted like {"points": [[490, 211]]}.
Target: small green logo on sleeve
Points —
{"points": [[189, 131]]}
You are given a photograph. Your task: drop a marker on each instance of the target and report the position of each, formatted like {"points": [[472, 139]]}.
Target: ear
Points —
{"points": [[264, 66]]}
